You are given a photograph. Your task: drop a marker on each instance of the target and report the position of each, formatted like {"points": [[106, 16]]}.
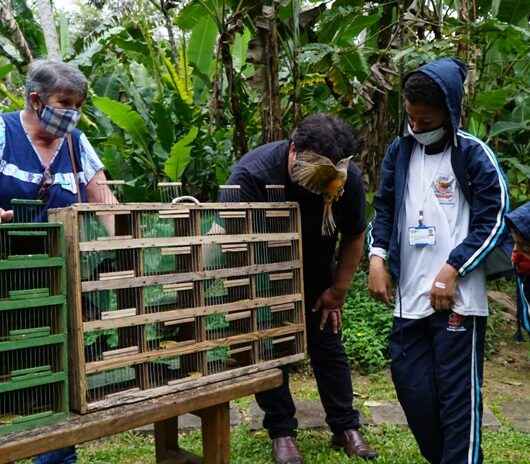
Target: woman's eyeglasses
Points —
{"points": [[46, 183]]}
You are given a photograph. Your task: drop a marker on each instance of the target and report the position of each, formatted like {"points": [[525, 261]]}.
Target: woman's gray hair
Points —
{"points": [[48, 77]]}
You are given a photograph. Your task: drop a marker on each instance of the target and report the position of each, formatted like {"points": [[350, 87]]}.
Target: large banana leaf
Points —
{"points": [[202, 44], [124, 117]]}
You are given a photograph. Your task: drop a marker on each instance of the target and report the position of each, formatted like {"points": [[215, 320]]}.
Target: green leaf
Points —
{"points": [[5, 70], [64, 36], [180, 157], [180, 77], [493, 100], [315, 52], [190, 15], [354, 28], [519, 166], [86, 57], [240, 48], [513, 11], [165, 128], [124, 117], [353, 63], [202, 43], [507, 126]]}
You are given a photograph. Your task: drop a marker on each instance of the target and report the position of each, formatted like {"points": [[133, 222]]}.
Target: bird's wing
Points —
{"points": [[313, 172]]}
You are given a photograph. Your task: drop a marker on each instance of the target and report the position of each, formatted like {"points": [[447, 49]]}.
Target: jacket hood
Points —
{"points": [[450, 75], [520, 219]]}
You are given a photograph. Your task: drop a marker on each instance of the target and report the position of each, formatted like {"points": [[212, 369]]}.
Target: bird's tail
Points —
{"points": [[328, 222]]}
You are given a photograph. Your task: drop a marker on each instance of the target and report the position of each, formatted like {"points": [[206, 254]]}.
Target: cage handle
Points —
{"points": [[185, 198]]}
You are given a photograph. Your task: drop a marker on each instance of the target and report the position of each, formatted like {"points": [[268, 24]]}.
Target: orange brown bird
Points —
{"points": [[319, 175]]}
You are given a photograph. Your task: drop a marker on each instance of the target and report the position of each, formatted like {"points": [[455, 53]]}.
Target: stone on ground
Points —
{"points": [[310, 415], [391, 413], [517, 412]]}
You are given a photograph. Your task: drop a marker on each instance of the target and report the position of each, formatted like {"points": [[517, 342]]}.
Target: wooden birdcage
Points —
{"points": [[33, 325], [166, 297]]}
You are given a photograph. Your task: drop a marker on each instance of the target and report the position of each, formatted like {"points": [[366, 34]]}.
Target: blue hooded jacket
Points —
{"points": [[476, 170], [519, 220]]}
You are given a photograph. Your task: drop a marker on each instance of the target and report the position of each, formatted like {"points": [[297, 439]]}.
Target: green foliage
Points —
{"points": [[366, 326], [179, 157], [219, 353], [216, 321], [155, 112]]}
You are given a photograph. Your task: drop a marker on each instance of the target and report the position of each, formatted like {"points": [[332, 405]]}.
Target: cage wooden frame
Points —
{"points": [[42, 350], [243, 239]]}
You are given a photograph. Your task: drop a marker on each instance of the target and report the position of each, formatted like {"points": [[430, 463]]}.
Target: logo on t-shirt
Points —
{"points": [[444, 189]]}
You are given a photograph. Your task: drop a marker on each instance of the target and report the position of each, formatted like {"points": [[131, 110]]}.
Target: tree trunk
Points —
{"points": [[297, 107], [14, 35], [468, 52], [44, 8], [379, 128], [271, 108]]}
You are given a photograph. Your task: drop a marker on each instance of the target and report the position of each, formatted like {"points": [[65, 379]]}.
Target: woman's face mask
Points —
{"points": [[58, 121]]}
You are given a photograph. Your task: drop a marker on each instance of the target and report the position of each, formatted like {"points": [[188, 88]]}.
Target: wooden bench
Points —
{"points": [[210, 403]]}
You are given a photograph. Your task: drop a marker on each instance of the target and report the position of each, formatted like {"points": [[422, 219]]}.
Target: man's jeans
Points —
{"points": [[60, 456]]}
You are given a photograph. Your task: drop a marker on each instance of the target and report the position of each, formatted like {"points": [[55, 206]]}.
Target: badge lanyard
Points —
{"points": [[425, 190], [422, 235]]}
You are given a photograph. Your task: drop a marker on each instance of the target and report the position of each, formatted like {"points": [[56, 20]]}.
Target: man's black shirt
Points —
{"points": [[267, 165]]}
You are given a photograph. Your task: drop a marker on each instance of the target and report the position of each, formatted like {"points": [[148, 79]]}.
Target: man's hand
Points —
{"points": [[330, 305], [444, 288], [6, 215], [379, 281]]}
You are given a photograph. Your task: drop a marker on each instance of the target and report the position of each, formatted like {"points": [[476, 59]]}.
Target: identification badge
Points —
{"points": [[422, 236]]}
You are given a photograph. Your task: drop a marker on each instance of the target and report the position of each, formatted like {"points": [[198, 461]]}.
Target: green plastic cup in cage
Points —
{"points": [[215, 289], [216, 321], [220, 353], [263, 284], [264, 317]]}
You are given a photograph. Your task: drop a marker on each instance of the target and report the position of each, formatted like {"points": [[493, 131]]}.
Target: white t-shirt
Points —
{"points": [[444, 206]]}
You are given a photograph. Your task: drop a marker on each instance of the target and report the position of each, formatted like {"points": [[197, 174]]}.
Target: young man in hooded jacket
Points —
{"points": [[519, 224], [439, 212]]}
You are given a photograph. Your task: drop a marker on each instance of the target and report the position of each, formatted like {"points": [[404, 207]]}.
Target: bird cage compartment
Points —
{"points": [[275, 221], [280, 346], [33, 354], [276, 251], [32, 404], [166, 223], [270, 284], [181, 295]]}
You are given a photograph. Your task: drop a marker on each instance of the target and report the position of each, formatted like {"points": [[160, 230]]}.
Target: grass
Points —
{"points": [[395, 445]]}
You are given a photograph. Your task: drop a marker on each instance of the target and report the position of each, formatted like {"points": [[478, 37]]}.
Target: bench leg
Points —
{"points": [[166, 444], [216, 434]]}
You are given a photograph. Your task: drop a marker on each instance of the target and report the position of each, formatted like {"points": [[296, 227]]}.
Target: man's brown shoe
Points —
{"points": [[284, 451], [353, 444]]}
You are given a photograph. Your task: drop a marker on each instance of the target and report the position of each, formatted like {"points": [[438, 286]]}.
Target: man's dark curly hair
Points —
{"points": [[421, 89], [326, 135]]}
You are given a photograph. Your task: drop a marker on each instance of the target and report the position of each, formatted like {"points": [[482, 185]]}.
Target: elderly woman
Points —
{"points": [[43, 156]]}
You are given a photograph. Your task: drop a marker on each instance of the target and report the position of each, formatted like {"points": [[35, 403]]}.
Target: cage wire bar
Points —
{"points": [[171, 296], [33, 322]]}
